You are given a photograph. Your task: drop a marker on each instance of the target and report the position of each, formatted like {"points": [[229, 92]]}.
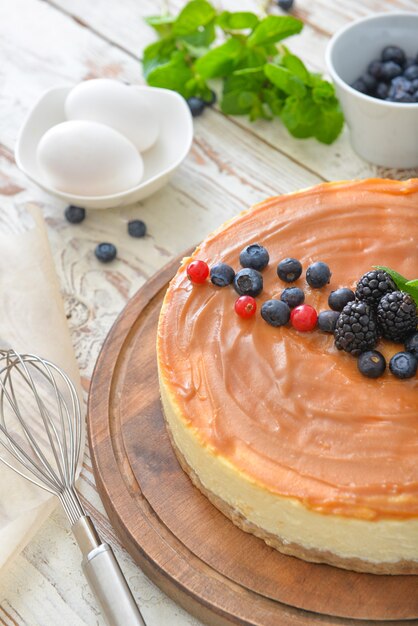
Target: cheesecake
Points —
{"points": [[277, 427]]}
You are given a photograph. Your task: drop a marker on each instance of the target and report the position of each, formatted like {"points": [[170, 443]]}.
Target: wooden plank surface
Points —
{"points": [[233, 163]]}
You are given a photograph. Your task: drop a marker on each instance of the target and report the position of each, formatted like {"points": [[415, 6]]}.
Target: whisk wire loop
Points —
{"points": [[18, 365], [63, 427]]}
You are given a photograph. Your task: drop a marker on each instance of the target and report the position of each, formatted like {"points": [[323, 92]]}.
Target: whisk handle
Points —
{"points": [[110, 588], [105, 577]]}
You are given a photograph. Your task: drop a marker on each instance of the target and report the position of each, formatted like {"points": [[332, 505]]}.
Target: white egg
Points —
{"points": [[88, 159], [125, 108]]}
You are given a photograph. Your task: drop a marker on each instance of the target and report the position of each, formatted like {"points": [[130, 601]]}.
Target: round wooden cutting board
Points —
{"points": [[181, 541]]}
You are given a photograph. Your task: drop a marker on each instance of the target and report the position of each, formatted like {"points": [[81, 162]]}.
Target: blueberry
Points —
{"points": [[382, 90], [375, 68], [398, 87], [403, 365], [371, 363], [390, 70], [394, 54], [414, 85], [248, 282], [411, 344], [213, 98], [275, 312], [339, 298], [327, 320], [286, 5], [289, 270], [401, 96], [318, 274], [293, 296], [74, 214], [196, 106], [411, 73], [254, 256], [222, 275], [360, 85], [415, 96], [370, 82], [137, 228], [105, 252]]}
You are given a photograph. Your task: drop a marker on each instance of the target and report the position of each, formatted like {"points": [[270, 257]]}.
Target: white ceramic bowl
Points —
{"points": [[160, 161], [385, 133]]}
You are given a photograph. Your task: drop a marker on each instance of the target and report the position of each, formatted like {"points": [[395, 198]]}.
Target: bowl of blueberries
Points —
{"points": [[373, 63]]}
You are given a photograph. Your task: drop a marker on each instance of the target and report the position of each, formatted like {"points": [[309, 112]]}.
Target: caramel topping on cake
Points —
{"points": [[287, 408]]}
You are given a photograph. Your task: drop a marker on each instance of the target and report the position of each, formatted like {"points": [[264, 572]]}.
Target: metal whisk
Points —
{"points": [[40, 436]]}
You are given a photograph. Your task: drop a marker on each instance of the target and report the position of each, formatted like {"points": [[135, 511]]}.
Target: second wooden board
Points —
{"points": [[194, 553]]}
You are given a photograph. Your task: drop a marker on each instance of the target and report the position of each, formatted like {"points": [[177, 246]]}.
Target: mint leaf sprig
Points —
{"points": [[260, 77], [402, 283]]}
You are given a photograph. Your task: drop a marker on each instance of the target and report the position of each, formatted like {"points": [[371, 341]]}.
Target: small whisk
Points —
{"points": [[41, 431]]}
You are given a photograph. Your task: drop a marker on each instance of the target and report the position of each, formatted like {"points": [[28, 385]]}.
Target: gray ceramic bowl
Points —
{"points": [[382, 132]]}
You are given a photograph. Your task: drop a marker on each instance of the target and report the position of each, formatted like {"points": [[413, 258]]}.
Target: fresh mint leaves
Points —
{"points": [[402, 283], [260, 77]]}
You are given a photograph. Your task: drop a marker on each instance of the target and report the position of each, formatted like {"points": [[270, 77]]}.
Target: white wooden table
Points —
{"points": [[233, 163]]}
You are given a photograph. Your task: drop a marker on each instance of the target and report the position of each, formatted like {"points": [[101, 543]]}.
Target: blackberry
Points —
{"points": [[373, 285], [356, 328], [397, 315]]}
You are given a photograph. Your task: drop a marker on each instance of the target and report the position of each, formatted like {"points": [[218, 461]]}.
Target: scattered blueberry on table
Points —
{"points": [[105, 252], [393, 77], [75, 214], [286, 5], [137, 228], [196, 106]]}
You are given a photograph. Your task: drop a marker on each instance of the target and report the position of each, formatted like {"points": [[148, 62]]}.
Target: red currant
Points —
{"points": [[197, 272], [303, 317], [245, 306]]}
